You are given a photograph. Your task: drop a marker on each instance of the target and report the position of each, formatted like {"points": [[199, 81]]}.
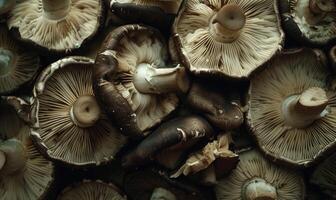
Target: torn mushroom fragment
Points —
{"points": [[174, 132], [68, 123], [311, 22], [257, 178], [133, 80], [233, 37], [91, 190], [58, 26], [17, 64], [6, 6], [291, 109]]}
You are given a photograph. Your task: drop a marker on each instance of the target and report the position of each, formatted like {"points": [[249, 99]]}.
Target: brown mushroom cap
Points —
{"points": [[17, 66], [68, 123], [91, 190], [256, 178], [58, 26], [291, 112], [233, 37]]}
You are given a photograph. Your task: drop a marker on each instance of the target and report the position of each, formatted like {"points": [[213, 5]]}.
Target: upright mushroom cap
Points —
{"points": [[309, 21], [256, 178], [17, 64], [132, 82], [91, 190], [291, 112], [230, 38], [58, 26], [68, 123]]}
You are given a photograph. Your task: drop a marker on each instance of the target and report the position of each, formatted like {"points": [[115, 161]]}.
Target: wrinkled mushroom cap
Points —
{"points": [[254, 167], [286, 75], [259, 39], [68, 124]]}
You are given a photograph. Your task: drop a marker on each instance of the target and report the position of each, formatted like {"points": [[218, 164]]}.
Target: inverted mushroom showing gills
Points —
{"points": [[311, 22], [233, 37], [58, 26], [133, 79], [17, 65], [256, 178], [292, 111], [68, 123]]}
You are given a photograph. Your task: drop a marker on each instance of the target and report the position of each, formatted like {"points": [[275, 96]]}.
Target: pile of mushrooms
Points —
{"points": [[167, 99]]}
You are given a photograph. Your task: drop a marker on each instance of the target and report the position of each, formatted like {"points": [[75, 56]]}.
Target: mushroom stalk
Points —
{"points": [[6, 60], [151, 80], [301, 110], [228, 23], [259, 189], [12, 157], [56, 9], [321, 6], [162, 193], [85, 112]]}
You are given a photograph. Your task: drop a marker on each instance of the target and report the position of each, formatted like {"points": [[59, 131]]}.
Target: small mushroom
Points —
{"points": [[233, 37], [132, 79], [91, 190], [56, 26], [256, 178], [17, 65], [6, 6], [69, 126], [291, 110], [170, 133], [312, 22], [324, 176]]}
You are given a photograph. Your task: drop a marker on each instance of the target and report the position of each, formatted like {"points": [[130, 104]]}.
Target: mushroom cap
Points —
{"points": [[57, 90], [30, 24], [288, 74], [91, 190], [17, 66], [296, 19], [252, 166], [259, 39], [123, 50]]}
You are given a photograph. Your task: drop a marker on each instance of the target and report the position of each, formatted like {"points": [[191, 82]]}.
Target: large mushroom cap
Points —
{"points": [[68, 123], [291, 113], [256, 178], [17, 65], [58, 26], [230, 38], [131, 79]]}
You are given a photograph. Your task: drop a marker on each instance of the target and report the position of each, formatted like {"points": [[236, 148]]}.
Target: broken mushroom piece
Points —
{"points": [[69, 126], [324, 176], [57, 26], [91, 190], [291, 109], [6, 6], [311, 22], [233, 37], [256, 178], [133, 82], [17, 64]]}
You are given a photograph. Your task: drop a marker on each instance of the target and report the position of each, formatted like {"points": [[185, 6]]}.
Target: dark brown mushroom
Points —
{"points": [[69, 126]]}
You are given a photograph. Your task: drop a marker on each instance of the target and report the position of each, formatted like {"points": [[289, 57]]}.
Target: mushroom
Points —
{"points": [[311, 22], [69, 126], [56, 26], [324, 176], [291, 109], [17, 65], [6, 6], [132, 79], [257, 178], [174, 132], [233, 37], [91, 190]]}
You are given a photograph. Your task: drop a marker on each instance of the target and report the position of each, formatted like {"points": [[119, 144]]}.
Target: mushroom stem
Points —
{"points": [[259, 189], [321, 6], [227, 24], [12, 157], [85, 112], [152, 80], [162, 194], [301, 110], [56, 9], [6, 61]]}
